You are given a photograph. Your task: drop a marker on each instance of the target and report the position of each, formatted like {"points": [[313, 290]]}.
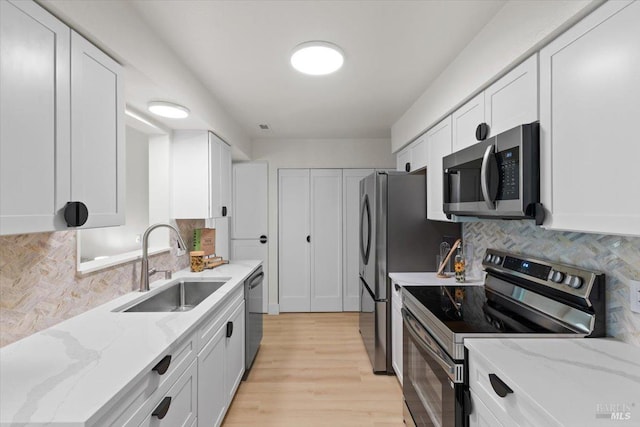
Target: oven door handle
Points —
{"points": [[451, 368]]}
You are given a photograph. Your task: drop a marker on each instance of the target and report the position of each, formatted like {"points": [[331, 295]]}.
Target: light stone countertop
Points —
{"points": [[430, 279], [69, 374], [578, 382]]}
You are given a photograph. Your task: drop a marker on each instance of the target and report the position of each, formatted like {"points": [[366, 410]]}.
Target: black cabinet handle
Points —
{"points": [[75, 214], [224, 211], [499, 386], [163, 365], [308, 239], [407, 167], [162, 409], [263, 239], [396, 286], [229, 329], [482, 131]]}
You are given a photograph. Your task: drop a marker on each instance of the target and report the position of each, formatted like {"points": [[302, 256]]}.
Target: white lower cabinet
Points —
{"points": [[396, 330], [220, 361], [481, 416]]}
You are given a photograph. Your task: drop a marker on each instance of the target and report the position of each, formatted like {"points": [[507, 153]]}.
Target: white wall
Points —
{"points": [[518, 29], [312, 153]]}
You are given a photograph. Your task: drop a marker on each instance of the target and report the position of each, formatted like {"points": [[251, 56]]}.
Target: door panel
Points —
{"points": [[250, 200], [326, 239], [293, 248]]}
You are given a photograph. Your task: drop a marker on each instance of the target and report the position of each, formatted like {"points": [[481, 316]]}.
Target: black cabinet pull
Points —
{"points": [[229, 329], [482, 131], [308, 239], [396, 286], [263, 239], [224, 211], [75, 214], [162, 409], [163, 365], [499, 386], [407, 167]]}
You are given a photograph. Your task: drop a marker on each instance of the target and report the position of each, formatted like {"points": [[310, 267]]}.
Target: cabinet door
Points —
{"points": [[293, 247], [589, 91], [215, 176], [481, 416], [225, 180], [513, 100], [439, 144], [250, 200], [403, 160], [351, 237], [254, 249], [465, 120], [326, 239], [190, 156], [396, 331], [234, 353], [97, 134], [212, 393], [34, 119], [419, 153]]}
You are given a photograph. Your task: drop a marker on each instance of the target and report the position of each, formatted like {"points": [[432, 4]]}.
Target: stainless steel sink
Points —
{"points": [[181, 296]]}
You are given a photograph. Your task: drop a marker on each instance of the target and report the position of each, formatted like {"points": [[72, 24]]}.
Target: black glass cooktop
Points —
{"points": [[475, 315]]}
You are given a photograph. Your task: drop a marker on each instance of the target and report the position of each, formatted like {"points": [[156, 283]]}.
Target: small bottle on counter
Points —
{"points": [[459, 266], [197, 261]]}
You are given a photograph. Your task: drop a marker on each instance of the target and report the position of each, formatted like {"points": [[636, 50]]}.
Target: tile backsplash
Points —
{"points": [[618, 257], [39, 286]]}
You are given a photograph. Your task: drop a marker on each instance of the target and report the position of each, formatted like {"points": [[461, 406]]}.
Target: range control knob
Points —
{"points": [[497, 260], [575, 282], [488, 257], [557, 276]]}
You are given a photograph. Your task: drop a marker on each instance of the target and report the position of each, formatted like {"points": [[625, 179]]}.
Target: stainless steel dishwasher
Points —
{"points": [[253, 317]]}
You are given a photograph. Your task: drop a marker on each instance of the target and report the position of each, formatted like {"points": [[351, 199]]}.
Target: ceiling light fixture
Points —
{"points": [[317, 58], [168, 110]]}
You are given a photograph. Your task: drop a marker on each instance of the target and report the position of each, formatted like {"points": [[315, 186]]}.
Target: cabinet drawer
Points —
{"points": [[516, 408], [481, 416], [178, 407], [127, 411], [219, 317]]}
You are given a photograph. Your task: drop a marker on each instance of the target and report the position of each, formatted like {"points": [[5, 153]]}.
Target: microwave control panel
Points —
{"points": [[509, 170]]}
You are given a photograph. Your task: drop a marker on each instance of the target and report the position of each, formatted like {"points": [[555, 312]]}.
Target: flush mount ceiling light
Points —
{"points": [[168, 109], [317, 58]]}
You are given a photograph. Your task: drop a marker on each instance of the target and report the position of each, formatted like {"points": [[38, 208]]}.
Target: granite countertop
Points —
{"points": [[430, 279], [67, 374], [579, 382]]}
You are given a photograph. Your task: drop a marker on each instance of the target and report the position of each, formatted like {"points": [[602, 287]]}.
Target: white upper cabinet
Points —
{"points": [[509, 102], [439, 145], [97, 134], [465, 120], [201, 175], [413, 157], [403, 160], [513, 100], [589, 91], [61, 125]]}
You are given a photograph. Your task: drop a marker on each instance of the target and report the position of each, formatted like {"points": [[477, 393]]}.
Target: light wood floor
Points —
{"points": [[312, 370]]}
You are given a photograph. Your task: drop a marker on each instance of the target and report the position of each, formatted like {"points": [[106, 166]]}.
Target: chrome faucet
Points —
{"points": [[144, 268]]}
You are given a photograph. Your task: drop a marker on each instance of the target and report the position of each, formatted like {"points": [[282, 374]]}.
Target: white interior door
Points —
{"points": [[249, 200], [326, 239], [254, 249], [293, 247], [350, 237]]}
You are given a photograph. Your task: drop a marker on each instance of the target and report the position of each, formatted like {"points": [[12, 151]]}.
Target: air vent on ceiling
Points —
{"points": [[264, 126]]}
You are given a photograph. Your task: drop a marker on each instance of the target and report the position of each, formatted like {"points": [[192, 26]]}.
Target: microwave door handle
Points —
{"points": [[484, 177]]}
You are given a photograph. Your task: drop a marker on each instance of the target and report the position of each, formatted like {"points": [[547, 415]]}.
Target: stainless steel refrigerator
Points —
{"points": [[395, 236]]}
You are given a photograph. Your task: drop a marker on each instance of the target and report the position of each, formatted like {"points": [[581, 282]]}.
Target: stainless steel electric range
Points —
{"points": [[522, 297]]}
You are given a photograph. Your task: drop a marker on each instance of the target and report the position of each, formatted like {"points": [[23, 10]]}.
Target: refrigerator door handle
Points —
{"points": [[365, 248]]}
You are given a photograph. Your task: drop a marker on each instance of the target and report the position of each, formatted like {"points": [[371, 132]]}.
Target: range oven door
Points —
{"points": [[433, 384]]}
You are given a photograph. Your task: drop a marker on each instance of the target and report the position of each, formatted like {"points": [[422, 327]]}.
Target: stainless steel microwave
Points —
{"points": [[496, 178]]}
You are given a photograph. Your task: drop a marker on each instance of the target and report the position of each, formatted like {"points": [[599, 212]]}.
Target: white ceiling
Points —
{"points": [[240, 51]]}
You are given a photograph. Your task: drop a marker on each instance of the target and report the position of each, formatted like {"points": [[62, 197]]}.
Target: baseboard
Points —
{"points": [[274, 308]]}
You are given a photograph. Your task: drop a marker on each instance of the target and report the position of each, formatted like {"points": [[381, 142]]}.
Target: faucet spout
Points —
{"points": [[144, 268]]}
